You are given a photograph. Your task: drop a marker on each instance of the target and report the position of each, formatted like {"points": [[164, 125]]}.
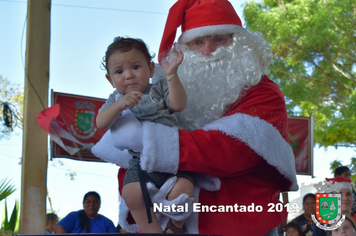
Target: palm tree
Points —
{"points": [[11, 225], [6, 189]]}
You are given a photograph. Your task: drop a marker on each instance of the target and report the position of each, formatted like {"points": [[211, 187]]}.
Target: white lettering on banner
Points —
{"points": [[198, 207]]}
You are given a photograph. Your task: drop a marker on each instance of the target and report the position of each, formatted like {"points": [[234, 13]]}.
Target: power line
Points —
{"points": [[95, 8], [110, 9], [82, 172], [64, 168], [5, 155], [9, 144], [12, 1]]}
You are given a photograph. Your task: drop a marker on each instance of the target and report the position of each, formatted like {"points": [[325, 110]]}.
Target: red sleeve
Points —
{"points": [[214, 153]]}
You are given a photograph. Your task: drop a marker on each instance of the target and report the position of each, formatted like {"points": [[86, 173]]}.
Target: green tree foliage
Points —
{"points": [[11, 104], [334, 165], [352, 166], [314, 61]]}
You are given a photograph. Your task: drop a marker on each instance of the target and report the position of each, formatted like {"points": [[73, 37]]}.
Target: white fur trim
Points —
{"points": [[263, 138], [160, 148], [207, 30], [105, 150]]}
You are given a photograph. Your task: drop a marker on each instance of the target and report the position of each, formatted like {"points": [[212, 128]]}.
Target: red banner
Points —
{"points": [[78, 113], [300, 134]]}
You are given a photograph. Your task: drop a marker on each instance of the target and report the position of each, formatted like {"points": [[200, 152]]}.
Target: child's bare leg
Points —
{"points": [[132, 195], [182, 185]]}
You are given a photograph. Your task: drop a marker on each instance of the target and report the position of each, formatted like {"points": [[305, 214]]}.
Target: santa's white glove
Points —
{"points": [[105, 150], [127, 132], [161, 148], [159, 196]]}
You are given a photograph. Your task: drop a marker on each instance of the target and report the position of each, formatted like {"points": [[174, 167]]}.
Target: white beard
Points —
{"points": [[214, 83]]}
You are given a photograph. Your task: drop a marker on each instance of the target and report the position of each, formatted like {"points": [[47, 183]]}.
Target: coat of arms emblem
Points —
{"points": [[84, 127], [328, 207]]}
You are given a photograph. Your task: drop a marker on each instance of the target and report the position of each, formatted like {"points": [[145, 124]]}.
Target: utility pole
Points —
{"points": [[34, 149]]}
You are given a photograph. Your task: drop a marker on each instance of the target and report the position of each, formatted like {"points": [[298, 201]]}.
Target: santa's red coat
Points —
{"points": [[247, 150]]}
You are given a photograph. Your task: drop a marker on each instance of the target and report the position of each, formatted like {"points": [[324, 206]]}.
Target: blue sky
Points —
{"points": [[80, 32]]}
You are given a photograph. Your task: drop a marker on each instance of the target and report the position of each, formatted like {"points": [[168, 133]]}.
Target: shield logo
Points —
{"points": [[328, 207], [84, 127], [84, 121]]}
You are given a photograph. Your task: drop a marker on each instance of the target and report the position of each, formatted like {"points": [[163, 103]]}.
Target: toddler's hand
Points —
{"points": [[171, 68], [130, 99]]}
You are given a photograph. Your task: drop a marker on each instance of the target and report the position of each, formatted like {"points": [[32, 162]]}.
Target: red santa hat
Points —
{"points": [[345, 182], [198, 18]]}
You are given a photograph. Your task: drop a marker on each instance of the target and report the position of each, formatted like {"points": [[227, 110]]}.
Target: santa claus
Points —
{"points": [[236, 125]]}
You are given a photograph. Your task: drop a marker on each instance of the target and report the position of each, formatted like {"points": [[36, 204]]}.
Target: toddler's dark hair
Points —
{"points": [[123, 44]]}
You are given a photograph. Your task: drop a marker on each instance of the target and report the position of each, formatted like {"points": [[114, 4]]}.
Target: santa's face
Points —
{"points": [[214, 82]]}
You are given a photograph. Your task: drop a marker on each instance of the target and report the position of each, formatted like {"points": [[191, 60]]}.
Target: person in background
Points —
{"points": [[87, 220], [347, 228], [304, 220], [52, 220], [346, 195], [293, 229], [342, 171], [345, 171]]}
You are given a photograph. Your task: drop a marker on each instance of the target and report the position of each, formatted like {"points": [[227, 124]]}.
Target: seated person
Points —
{"points": [[344, 171], [87, 220]]}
